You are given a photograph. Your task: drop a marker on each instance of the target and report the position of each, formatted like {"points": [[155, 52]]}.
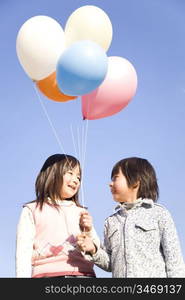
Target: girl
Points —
{"points": [[140, 239], [48, 226]]}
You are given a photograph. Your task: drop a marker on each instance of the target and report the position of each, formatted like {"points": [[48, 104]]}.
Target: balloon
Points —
{"points": [[40, 42], [48, 86], [81, 68], [89, 23], [114, 93]]}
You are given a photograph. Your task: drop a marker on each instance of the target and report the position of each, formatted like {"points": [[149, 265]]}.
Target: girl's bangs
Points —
{"points": [[71, 164]]}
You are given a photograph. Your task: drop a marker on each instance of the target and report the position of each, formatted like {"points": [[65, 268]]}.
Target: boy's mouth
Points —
{"points": [[113, 191]]}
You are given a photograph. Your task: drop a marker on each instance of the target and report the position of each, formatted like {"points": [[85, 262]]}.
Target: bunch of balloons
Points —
{"points": [[73, 62]]}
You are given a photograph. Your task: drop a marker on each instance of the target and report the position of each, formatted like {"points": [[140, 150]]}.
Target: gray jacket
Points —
{"points": [[141, 242]]}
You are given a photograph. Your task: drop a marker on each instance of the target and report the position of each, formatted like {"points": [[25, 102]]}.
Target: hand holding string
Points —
{"points": [[85, 222]]}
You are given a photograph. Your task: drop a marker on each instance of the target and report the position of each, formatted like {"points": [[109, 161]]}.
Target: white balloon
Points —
{"points": [[89, 23], [40, 42]]}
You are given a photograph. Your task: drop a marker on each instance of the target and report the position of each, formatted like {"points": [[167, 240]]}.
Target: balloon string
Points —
{"points": [[50, 122], [86, 123], [82, 147], [84, 141], [78, 143], [79, 154], [73, 139], [81, 143], [82, 150]]}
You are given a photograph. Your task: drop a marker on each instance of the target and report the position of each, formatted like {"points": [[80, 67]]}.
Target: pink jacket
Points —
{"points": [[54, 246]]}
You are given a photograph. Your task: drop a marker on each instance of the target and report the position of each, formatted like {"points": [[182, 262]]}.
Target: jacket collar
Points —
{"points": [[138, 203]]}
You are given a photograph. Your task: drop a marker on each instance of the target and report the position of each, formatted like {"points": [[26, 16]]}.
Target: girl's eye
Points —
{"points": [[71, 173]]}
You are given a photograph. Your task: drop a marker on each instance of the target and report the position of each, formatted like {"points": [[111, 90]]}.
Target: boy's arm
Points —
{"points": [[98, 253], [95, 238], [102, 257], [175, 266]]}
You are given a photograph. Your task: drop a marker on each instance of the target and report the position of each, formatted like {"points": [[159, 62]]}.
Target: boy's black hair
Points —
{"points": [[137, 169]]}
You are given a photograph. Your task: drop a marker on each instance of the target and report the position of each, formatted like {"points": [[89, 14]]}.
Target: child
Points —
{"points": [[48, 226], [140, 239]]}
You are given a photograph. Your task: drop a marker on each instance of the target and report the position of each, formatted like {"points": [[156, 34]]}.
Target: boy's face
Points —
{"points": [[120, 190]]}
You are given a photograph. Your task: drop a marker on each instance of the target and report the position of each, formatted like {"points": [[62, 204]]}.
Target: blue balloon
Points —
{"points": [[81, 68]]}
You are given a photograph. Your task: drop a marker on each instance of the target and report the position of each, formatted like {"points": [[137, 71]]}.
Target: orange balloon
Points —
{"points": [[48, 86]]}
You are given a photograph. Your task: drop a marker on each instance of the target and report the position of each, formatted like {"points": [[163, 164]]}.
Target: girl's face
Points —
{"points": [[120, 190], [71, 183]]}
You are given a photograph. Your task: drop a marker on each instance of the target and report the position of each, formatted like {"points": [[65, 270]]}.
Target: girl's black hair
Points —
{"points": [[50, 178]]}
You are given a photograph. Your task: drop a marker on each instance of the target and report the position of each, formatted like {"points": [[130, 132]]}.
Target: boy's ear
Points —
{"points": [[136, 185]]}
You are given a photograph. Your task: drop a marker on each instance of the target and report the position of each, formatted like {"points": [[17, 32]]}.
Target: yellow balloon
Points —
{"points": [[89, 23], [39, 44]]}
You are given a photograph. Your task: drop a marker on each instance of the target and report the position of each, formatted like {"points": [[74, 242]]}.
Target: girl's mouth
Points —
{"points": [[72, 187]]}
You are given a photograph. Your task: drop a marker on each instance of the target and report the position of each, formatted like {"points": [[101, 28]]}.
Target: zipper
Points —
{"points": [[123, 242]]}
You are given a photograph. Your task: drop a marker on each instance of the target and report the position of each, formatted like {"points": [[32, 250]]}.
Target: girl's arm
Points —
{"points": [[24, 243], [175, 266]]}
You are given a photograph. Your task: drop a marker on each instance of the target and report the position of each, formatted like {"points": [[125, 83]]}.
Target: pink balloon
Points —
{"points": [[116, 91]]}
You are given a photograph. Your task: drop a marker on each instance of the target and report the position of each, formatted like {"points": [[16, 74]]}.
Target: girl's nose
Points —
{"points": [[75, 179]]}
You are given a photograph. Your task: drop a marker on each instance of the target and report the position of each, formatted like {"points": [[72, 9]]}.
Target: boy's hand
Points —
{"points": [[86, 244], [85, 221]]}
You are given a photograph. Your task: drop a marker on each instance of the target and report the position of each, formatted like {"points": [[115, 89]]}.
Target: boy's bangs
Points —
{"points": [[115, 170]]}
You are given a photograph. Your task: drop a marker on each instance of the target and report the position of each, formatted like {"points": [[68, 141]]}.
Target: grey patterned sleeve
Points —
{"points": [[102, 258], [171, 247]]}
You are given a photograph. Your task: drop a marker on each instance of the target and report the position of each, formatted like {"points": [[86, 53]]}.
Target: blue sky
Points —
{"points": [[150, 34]]}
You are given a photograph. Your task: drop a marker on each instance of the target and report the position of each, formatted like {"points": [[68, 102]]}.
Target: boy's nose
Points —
{"points": [[110, 184]]}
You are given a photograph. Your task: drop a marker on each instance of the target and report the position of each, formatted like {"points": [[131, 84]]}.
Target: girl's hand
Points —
{"points": [[86, 244], [85, 221]]}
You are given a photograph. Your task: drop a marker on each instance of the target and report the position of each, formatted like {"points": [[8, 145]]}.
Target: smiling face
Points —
{"points": [[71, 183], [120, 190]]}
